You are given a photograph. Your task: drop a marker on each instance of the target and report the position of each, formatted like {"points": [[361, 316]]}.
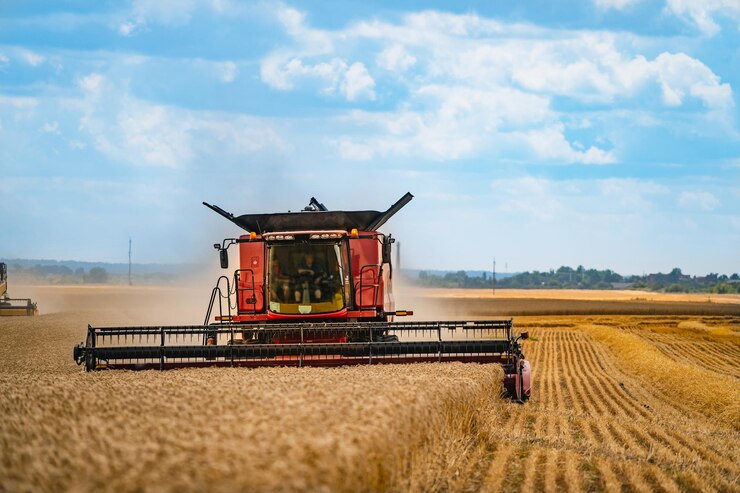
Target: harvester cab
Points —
{"points": [[309, 265], [13, 306], [311, 288]]}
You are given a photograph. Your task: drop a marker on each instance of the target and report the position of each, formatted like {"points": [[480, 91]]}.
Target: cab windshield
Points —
{"points": [[305, 278]]}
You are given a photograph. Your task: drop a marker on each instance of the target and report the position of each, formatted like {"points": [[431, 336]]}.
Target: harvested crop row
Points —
{"points": [[408, 427], [603, 428], [716, 396]]}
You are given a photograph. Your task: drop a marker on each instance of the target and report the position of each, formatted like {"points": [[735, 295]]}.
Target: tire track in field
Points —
{"points": [[617, 437], [555, 427]]}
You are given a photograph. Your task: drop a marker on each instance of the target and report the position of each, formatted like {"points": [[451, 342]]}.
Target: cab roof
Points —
{"points": [[313, 219]]}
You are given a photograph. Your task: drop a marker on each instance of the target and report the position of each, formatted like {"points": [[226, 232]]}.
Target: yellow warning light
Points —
{"points": [[354, 232], [252, 235]]}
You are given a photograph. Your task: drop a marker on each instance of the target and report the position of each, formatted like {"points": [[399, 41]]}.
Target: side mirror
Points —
{"points": [[524, 335], [386, 250], [223, 256]]}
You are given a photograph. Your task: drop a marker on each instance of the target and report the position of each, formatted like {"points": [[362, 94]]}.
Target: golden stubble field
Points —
{"points": [[621, 402]]}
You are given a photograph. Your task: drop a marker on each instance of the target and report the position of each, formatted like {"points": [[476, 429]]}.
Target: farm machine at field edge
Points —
{"points": [[313, 288], [13, 306]]}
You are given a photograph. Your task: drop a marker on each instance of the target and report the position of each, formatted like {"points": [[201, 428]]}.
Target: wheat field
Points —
{"points": [[620, 403]]}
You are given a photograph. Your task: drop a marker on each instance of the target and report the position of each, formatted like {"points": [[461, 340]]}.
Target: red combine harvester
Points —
{"points": [[313, 288]]}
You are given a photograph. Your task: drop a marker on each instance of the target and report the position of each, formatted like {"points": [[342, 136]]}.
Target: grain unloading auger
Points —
{"points": [[313, 288], [13, 306]]}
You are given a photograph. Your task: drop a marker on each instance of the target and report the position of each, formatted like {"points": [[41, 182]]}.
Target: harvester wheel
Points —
{"points": [[524, 366]]}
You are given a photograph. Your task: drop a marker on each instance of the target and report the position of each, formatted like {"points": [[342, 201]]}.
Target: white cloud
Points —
{"points": [[126, 28], [630, 192], [353, 151], [92, 83], [19, 102], [227, 71], [357, 83], [700, 200], [475, 84], [333, 76], [615, 4], [550, 144], [703, 13], [4, 60], [395, 59], [144, 13], [50, 128], [167, 12], [681, 76], [283, 75], [548, 199], [137, 132], [31, 58], [532, 195]]}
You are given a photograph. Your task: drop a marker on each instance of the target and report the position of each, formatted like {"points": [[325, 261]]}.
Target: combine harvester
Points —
{"points": [[13, 306], [312, 288]]}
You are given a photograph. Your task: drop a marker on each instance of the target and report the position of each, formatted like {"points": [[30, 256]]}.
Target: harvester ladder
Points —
{"points": [[374, 285], [239, 290]]}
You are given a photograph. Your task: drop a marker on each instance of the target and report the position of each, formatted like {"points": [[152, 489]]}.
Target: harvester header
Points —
{"points": [[13, 306], [312, 288]]}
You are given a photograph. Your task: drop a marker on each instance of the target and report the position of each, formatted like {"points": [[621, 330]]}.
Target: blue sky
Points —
{"points": [[602, 133]]}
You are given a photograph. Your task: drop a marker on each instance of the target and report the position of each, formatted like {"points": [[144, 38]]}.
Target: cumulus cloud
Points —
{"points": [[698, 200], [550, 144], [333, 76], [475, 85], [357, 83], [137, 132]]}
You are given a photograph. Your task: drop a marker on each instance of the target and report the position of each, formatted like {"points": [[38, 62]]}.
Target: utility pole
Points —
{"points": [[129, 261], [493, 279], [398, 256]]}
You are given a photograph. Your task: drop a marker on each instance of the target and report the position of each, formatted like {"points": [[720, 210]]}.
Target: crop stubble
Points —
{"points": [[600, 417]]}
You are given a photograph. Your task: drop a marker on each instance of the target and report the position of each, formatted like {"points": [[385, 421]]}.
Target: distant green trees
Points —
{"points": [[459, 279], [581, 278], [97, 275]]}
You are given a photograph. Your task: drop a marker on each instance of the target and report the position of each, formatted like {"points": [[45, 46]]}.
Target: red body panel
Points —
{"points": [[251, 281], [365, 260]]}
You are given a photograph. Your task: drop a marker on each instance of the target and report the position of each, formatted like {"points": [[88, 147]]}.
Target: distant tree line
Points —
{"points": [[582, 278], [61, 274]]}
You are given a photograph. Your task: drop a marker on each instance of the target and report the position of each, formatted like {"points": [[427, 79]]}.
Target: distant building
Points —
{"points": [[621, 285]]}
